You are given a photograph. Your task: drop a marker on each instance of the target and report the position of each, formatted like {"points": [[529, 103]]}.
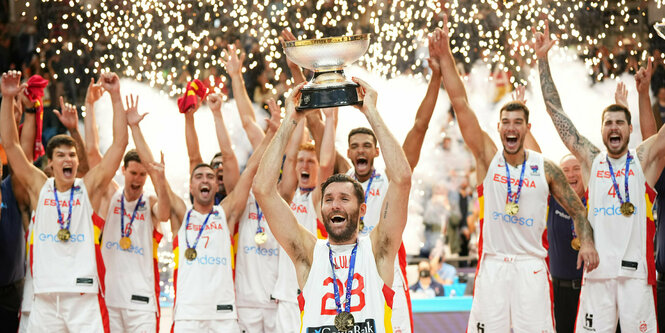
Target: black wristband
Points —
{"points": [[30, 110]]}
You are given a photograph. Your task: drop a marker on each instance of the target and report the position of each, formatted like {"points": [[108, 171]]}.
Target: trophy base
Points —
{"points": [[328, 97]]}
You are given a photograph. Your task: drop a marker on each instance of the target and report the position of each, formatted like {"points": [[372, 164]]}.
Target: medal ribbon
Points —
{"points": [[519, 186], [349, 280], [369, 186], [57, 205], [307, 189], [128, 231], [203, 226], [259, 216], [614, 180]]}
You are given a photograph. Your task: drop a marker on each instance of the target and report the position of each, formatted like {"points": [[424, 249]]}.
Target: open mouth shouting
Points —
{"points": [[362, 165], [135, 187], [338, 218], [614, 141], [304, 177], [512, 142], [205, 191], [68, 171]]}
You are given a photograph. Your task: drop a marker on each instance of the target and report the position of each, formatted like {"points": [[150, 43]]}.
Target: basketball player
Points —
{"points": [[344, 282], [620, 185], [67, 268], [129, 243], [512, 285]]}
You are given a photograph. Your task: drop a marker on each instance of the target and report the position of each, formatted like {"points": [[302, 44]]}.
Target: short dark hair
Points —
{"points": [[343, 178], [201, 165], [516, 106], [131, 155], [216, 156], [362, 130], [617, 108], [58, 141]]}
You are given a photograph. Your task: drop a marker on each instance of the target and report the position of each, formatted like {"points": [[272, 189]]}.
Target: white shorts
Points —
{"points": [[253, 320], [23, 322], [511, 291], [68, 312], [604, 301], [400, 318], [126, 320], [209, 326], [288, 317]]}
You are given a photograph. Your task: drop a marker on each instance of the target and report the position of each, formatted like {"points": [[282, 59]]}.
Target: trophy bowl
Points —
{"points": [[327, 57]]}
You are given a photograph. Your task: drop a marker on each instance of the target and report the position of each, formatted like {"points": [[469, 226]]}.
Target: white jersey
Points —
{"points": [[204, 286], [520, 234], [624, 244], [371, 298], [286, 286], [256, 264], [374, 194], [70, 266], [131, 275]]}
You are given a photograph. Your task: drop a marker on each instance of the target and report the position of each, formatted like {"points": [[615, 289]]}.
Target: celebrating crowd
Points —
{"points": [[324, 232]]}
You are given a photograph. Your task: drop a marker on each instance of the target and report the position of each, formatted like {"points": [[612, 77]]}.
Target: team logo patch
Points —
{"points": [[643, 326], [534, 170]]}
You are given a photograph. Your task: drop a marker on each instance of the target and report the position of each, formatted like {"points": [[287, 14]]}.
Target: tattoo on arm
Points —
{"points": [[564, 126], [385, 211], [569, 201]]}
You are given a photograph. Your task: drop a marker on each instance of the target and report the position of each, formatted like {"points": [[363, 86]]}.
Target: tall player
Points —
{"points": [[344, 282], [620, 185], [67, 269], [129, 242], [512, 285]]}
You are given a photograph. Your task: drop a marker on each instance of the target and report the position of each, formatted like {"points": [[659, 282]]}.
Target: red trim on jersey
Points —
{"points": [[401, 257], [651, 234], [98, 225], [157, 237], [654, 290], [301, 302], [104, 313], [175, 276], [389, 295], [321, 230], [481, 199]]}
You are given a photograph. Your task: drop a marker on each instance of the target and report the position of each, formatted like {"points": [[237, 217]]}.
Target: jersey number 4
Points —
{"points": [[357, 291]]}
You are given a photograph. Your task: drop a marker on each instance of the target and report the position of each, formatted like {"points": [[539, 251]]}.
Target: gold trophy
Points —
{"points": [[327, 57], [660, 29]]}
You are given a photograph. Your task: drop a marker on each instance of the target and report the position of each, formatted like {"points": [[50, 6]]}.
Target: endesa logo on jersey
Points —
{"points": [[368, 326], [518, 220], [609, 211], [208, 260], [73, 238], [132, 249], [260, 251]]}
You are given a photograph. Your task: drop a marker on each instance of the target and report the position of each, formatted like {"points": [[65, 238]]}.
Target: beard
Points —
{"points": [[346, 233]]}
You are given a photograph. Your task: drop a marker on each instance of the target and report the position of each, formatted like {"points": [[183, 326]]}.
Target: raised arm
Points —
{"points": [[316, 127], [648, 125], [288, 182], [480, 144], [94, 93], [387, 235], [413, 142], [296, 71], [192, 141], [297, 241], [32, 178], [101, 175], [577, 144], [29, 129], [231, 171], [233, 65], [565, 195], [69, 118]]}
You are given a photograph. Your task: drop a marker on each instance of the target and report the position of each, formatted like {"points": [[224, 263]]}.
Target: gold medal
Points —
{"points": [[627, 209], [125, 243], [63, 235], [512, 208], [576, 244], [260, 238], [190, 254], [344, 321]]}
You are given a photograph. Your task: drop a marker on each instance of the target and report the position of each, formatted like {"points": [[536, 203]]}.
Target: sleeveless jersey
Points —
{"points": [[204, 286], [371, 298], [374, 201], [132, 281], [624, 244], [72, 266], [286, 286], [256, 265], [523, 233]]}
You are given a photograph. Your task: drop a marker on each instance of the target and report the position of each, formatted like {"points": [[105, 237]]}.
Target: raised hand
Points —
{"points": [[621, 94], [157, 168], [643, 78], [287, 36], [10, 84], [275, 115], [215, 102], [233, 63], [94, 93], [110, 82], [68, 116], [132, 110], [542, 42], [520, 94], [435, 52], [292, 101], [367, 94]]}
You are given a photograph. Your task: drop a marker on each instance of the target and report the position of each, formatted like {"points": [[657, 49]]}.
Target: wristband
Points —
{"points": [[30, 110]]}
